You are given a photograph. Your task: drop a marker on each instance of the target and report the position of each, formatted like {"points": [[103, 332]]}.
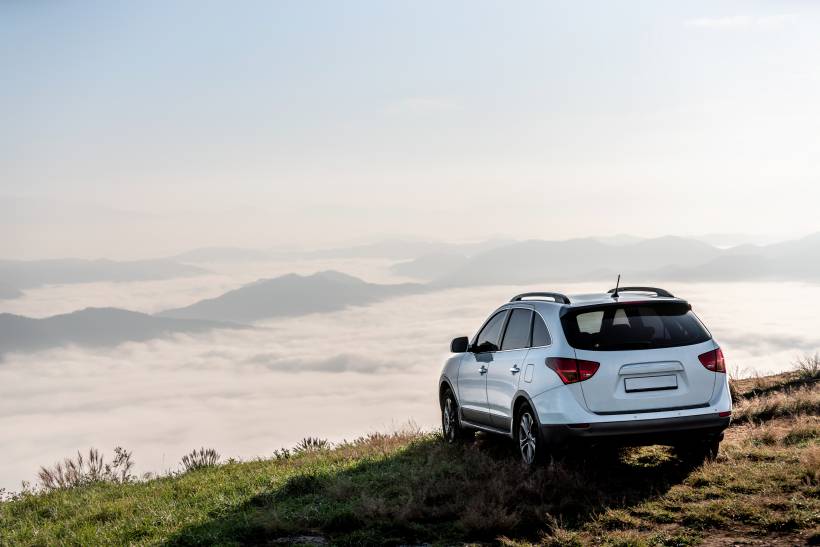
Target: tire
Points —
{"points": [[451, 428], [531, 446], [711, 450]]}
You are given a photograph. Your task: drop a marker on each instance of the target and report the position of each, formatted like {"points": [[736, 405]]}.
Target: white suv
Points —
{"points": [[633, 366]]}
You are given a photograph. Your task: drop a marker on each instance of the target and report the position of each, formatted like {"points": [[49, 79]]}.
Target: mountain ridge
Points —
{"points": [[93, 327]]}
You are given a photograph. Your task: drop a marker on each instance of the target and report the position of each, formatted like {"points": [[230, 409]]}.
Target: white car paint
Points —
{"points": [[488, 385]]}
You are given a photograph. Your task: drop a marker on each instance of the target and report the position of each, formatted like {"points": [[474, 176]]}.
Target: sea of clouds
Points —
{"points": [[333, 375]]}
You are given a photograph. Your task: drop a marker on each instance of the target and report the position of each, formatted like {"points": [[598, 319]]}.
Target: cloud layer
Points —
{"points": [[334, 375]]}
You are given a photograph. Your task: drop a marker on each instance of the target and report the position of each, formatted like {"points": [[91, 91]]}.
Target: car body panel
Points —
{"points": [[472, 387], [606, 391], [502, 383]]}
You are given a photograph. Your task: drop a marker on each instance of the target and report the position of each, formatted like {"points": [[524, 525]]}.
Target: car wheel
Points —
{"points": [[711, 450], [451, 427], [528, 437]]}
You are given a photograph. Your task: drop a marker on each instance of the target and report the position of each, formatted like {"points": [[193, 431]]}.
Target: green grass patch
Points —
{"points": [[412, 488]]}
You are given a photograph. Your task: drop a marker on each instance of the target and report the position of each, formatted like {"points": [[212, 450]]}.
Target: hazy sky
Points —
{"points": [[140, 128]]}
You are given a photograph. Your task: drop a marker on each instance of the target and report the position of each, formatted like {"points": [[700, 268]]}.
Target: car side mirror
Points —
{"points": [[459, 345]]}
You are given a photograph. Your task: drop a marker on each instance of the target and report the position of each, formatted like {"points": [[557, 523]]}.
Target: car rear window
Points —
{"points": [[627, 326]]}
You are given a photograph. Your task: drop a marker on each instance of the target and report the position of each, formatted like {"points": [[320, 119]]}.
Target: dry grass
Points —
{"points": [[777, 404], [792, 431], [805, 372], [808, 367], [83, 470], [810, 460]]}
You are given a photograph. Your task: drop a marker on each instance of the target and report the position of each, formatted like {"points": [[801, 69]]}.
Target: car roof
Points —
{"points": [[589, 299]]}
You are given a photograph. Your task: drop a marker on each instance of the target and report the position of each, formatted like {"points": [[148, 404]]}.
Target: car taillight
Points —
{"points": [[572, 370], [713, 360]]}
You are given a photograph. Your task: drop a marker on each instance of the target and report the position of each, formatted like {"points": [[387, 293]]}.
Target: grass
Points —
{"points": [[409, 487]]}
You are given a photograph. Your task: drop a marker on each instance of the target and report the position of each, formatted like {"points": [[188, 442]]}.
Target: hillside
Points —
{"points": [[409, 487], [95, 327], [291, 295]]}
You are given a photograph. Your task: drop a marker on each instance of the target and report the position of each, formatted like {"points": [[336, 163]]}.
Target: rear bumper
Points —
{"points": [[638, 432]]}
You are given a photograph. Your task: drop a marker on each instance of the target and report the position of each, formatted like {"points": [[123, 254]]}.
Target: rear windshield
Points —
{"points": [[643, 325]]}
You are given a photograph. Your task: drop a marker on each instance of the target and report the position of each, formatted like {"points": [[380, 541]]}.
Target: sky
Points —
{"points": [[137, 129]]}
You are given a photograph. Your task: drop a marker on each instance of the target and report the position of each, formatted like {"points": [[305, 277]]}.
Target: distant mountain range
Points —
{"points": [[570, 260], [96, 327], [291, 295], [590, 259], [642, 261], [796, 260], [24, 274], [288, 295]]}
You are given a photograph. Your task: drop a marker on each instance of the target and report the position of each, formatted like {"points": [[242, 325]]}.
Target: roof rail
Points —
{"points": [[558, 297], [658, 292]]}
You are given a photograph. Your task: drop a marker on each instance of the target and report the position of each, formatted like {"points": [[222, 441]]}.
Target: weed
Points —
{"points": [[808, 367], [311, 444], [73, 472], [200, 459]]}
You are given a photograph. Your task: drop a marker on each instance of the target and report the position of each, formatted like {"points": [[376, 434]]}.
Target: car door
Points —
{"points": [[505, 370], [472, 372]]}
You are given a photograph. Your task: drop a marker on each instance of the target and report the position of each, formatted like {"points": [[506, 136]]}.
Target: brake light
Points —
{"points": [[713, 360], [572, 370]]}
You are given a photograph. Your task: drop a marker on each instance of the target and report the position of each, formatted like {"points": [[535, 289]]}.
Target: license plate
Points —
{"points": [[650, 383]]}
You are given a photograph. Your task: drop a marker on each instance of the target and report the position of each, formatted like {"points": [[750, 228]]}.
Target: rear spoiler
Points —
{"points": [[663, 293], [616, 304]]}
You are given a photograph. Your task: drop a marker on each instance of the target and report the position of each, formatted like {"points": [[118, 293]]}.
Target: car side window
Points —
{"points": [[540, 334], [517, 334], [488, 338]]}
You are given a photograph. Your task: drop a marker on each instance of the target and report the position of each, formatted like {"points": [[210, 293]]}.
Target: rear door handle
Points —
{"points": [[515, 369], [482, 370]]}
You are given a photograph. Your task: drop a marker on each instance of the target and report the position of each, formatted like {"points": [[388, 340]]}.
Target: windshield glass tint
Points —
{"points": [[487, 339], [517, 335], [645, 325]]}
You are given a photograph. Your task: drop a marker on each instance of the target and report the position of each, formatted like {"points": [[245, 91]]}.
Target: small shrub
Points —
{"points": [[311, 444], [808, 367], [199, 459], [121, 466], [81, 470], [281, 454]]}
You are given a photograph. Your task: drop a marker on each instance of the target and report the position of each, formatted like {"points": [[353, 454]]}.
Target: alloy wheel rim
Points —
{"points": [[449, 418], [526, 438]]}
